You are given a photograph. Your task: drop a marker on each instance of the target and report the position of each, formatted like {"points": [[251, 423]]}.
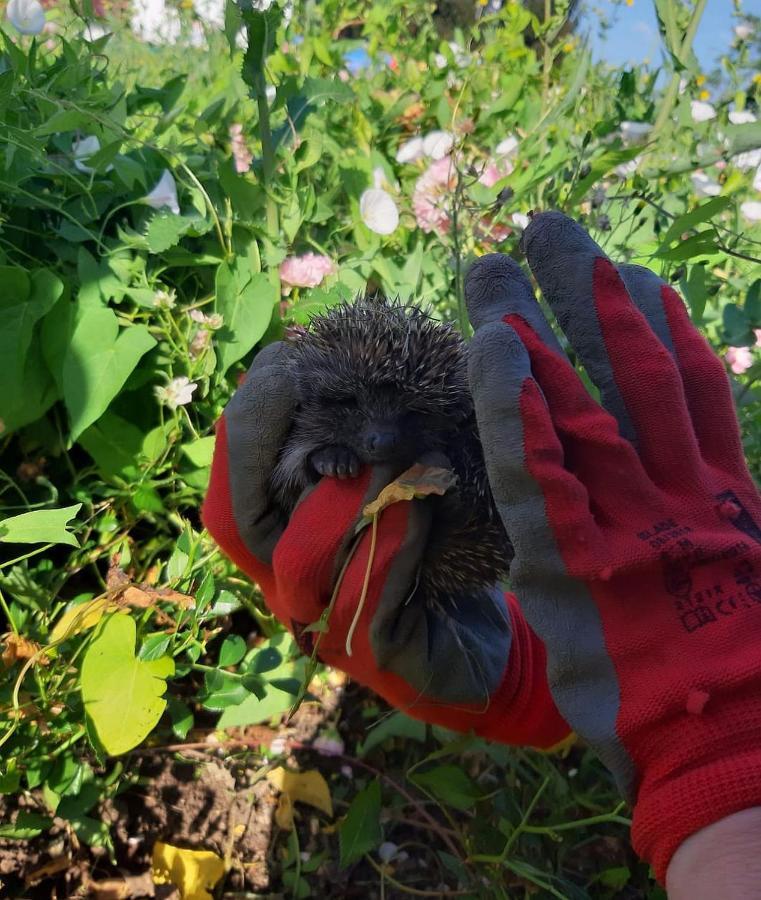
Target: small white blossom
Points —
{"points": [[155, 22], [744, 30], [628, 168], [278, 746], [635, 132], [751, 210], [461, 58], [702, 111], [705, 186], [179, 392], [379, 211], [212, 322], [26, 16], [508, 146], [83, 149], [437, 144], [440, 61], [328, 746], [747, 160], [212, 12], [521, 220], [346, 771], [164, 194], [741, 117], [164, 299], [94, 31], [410, 151], [387, 851]]}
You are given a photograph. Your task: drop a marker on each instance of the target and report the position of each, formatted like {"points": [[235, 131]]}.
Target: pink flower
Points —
{"points": [[757, 332], [493, 172], [739, 359], [431, 197], [306, 271], [241, 154]]}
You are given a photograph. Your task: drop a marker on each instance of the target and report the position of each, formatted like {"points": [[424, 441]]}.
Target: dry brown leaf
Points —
{"points": [[417, 482], [142, 597], [122, 888], [18, 648], [299, 787], [116, 578], [193, 872], [51, 867]]}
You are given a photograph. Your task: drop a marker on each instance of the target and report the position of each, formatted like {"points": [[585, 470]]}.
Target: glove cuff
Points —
{"points": [[705, 764]]}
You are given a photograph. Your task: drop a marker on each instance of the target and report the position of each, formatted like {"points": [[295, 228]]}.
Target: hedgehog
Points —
{"points": [[378, 381]]}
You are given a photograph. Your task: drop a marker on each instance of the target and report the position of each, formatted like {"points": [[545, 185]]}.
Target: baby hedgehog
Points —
{"points": [[380, 382]]}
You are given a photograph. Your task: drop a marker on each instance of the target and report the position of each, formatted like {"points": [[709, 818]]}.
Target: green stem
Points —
{"points": [[672, 91], [268, 151]]}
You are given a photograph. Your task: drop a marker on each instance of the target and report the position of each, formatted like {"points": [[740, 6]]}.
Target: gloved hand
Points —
{"points": [[477, 667], [635, 527]]}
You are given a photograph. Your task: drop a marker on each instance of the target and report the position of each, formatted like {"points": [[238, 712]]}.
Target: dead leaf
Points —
{"points": [[299, 787], [193, 872], [121, 888], [116, 578], [417, 482], [142, 597], [81, 617], [51, 867], [18, 648]]}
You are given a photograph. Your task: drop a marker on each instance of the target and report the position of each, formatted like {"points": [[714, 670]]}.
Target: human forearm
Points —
{"points": [[721, 860]]}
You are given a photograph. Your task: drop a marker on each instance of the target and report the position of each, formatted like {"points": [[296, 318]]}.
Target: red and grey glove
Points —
{"points": [[635, 527], [477, 667]]}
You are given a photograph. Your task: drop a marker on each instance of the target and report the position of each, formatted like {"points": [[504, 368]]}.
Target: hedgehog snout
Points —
{"points": [[381, 441]]}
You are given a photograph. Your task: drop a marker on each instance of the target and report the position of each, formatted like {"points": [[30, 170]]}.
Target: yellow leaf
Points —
{"points": [[418, 481], [192, 872], [299, 787], [81, 617]]}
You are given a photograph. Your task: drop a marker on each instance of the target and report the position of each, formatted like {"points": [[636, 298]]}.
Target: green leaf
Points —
{"points": [[752, 304], [42, 526], [99, 360], [599, 167], [200, 451], [123, 696], [232, 651], [450, 785], [246, 305], [114, 444], [701, 244], [700, 213], [26, 386], [27, 825], [165, 230], [395, 725], [361, 831], [181, 716]]}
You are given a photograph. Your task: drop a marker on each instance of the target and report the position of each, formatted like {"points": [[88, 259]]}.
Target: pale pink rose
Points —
{"points": [[432, 196], [493, 172], [306, 271], [241, 154], [739, 359]]}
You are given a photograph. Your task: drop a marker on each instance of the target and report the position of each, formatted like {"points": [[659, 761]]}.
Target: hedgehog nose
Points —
{"points": [[381, 443]]}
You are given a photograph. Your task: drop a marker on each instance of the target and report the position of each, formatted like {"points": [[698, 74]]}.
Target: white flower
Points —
{"points": [[635, 132], [440, 61], [164, 194], [437, 144], [705, 186], [26, 16], [520, 219], [508, 146], [270, 92], [212, 322], [744, 30], [152, 21], [751, 210], [179, 392], [757, 179], [747, 160], [702, 111], [278, 746], [379, 211], [387, 851], [84, 149], [741, 117], [164, 299], [94, 31], [461, 58], [328, 746], [628, 168], [211, 11], [410, 151]]}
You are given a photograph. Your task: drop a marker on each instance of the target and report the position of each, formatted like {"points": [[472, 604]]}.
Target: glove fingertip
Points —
{"points": [[493, 284]]}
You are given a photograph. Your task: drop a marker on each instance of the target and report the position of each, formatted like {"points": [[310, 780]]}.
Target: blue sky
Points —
{"points": [[634, 36]]}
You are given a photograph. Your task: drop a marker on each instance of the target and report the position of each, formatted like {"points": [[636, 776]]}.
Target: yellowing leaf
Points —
{"points": [[20, 648], [81, 617], [193, 872], [299, 787], [418, 481], [123, 695]]}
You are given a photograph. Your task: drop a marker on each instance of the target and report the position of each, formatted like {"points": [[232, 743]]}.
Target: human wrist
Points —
{"points": [[721, 860]]}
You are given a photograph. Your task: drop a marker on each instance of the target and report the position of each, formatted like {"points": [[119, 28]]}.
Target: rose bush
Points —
{"points": [[173, 196]]}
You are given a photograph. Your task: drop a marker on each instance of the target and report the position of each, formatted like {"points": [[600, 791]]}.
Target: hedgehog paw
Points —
{"points": [[336, 462]]}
